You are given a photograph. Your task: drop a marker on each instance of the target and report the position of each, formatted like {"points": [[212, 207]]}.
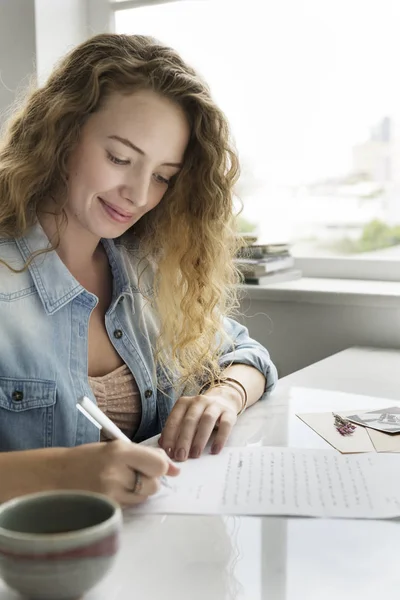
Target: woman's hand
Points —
{"points": [[193, 419], [111, 468]]}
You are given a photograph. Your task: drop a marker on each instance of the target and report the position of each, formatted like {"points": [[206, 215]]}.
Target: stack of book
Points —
{"points": [[261, 264]]}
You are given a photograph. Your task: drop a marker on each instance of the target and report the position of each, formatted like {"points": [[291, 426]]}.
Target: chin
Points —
{"points": [[110, 232]]}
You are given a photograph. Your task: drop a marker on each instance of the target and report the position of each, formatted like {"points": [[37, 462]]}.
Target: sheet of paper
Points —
{"points": [[152, 442], [283, 481], [323, 424]]}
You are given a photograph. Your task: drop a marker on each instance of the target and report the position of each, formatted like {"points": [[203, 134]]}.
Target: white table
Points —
{"points": [[221, 558]]}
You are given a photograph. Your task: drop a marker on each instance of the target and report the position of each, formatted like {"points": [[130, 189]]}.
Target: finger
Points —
{"points": [[174, 469], [148, 486], [188, 430], [149, 461], [227, 421], [118, 482], [206, 426], [138, 484], [125, 499], [172, 426]]}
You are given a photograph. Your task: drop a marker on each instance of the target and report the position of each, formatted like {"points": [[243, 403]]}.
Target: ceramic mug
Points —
{"points": [[58, 545]]}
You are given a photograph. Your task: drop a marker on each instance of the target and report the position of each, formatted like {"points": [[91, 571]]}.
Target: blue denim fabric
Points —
{"points": [[44, 319]]}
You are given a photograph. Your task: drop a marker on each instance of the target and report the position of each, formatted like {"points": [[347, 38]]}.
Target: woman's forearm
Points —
{"points": [[29, 471]]}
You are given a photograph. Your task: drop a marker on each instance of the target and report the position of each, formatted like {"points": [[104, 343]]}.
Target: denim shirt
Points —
{"points": [[44, 321]]}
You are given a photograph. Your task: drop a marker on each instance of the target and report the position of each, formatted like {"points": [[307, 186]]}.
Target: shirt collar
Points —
{"points": [[121, 281], [54, 283]]}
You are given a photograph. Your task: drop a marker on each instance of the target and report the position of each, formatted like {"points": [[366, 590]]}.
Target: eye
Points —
{"points": [[161, 179], [117, 161]]}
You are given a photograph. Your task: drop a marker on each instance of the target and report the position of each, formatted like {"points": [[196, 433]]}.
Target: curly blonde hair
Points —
{"points": [[190, 235]]}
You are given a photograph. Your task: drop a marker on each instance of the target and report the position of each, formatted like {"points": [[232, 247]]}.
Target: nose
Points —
{"points": [[136, 189]]}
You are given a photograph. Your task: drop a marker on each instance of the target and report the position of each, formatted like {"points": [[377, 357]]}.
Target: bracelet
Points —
{"points": [[232, 383]]}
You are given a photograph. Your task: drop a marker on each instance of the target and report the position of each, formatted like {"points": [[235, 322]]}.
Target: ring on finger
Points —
{"points": [[138, 485]]}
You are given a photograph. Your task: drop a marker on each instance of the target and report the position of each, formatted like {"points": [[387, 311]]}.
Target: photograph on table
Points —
{"points": [[383, 419]]}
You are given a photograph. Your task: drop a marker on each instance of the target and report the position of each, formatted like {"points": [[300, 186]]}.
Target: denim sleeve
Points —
{"points": [[243, 349]]}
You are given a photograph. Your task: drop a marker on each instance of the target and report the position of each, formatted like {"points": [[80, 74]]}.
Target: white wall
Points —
{"points": [[35, 34], [17, 50], [298, 334], [99, 17], [60, 25]]}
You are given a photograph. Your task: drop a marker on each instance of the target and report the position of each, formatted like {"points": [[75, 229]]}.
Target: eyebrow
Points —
{"points": [[132, 145]]}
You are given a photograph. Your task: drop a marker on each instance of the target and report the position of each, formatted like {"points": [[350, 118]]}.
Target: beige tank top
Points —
{"points": [[118, 397]]}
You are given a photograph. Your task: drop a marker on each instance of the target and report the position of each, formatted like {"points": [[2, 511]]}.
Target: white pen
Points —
{"points": [[102, 422]]}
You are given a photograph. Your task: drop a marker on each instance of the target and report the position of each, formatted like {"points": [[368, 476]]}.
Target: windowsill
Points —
{"points": [[328, 291]]}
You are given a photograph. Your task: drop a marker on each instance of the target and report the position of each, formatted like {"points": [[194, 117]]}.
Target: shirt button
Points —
{"points": [[148, 393], [118, 334], [17, 396]]}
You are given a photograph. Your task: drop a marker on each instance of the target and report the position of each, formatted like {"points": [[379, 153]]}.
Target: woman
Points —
{"points": [[116, 275]]}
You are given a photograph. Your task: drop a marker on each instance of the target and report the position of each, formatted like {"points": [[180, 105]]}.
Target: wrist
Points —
{"points": [[227, 392], [230, 382]]}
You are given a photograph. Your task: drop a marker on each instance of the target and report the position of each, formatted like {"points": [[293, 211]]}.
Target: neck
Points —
{"points": [[77, 247]]}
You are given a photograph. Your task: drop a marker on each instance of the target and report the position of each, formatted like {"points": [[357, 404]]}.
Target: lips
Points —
{"points": [[117, 209], [115, 213]]}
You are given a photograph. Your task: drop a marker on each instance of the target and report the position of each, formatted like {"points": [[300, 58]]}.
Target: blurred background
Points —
{"points": [[310, 88]]}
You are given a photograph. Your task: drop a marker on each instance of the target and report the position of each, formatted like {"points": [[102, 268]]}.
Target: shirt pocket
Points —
{"points": [[26, 413]]}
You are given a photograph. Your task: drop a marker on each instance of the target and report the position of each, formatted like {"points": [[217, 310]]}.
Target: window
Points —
{"points": [[312, 94]]}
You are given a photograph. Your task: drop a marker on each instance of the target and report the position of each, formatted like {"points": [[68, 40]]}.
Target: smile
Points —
{"points": [[114, 212]]}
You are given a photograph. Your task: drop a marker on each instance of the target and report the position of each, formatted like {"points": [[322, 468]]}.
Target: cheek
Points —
{"points": [[156, 195], [93, 175]]}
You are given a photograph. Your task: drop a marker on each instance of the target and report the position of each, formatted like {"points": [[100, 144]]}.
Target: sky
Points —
{"points": [[301, 81]]}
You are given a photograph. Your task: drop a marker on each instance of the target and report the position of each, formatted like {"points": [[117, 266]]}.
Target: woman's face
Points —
{"points": [[127, 153]]}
